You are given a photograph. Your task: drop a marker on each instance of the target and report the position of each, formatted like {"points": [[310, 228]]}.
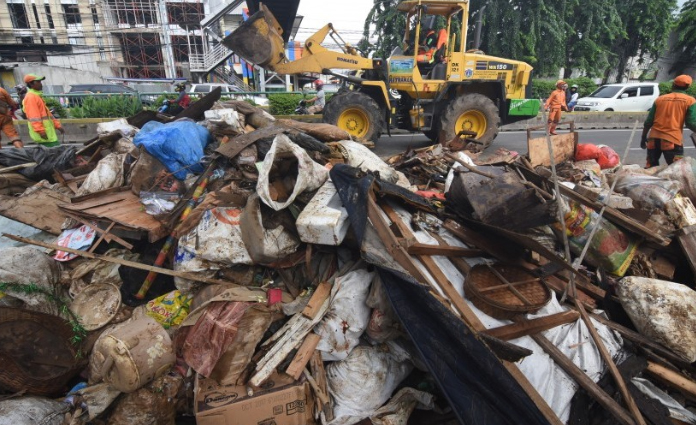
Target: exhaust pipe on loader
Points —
{"points": [[258, 40]]}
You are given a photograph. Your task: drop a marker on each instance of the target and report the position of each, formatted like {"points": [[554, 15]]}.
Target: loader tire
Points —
{"points": [[473, 112], [357, 113]]}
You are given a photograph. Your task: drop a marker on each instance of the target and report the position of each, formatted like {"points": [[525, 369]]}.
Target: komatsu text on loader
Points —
{"points": [[442, 88]]}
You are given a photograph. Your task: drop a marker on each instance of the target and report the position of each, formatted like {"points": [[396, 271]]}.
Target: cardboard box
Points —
{"points": [[281, 401]]}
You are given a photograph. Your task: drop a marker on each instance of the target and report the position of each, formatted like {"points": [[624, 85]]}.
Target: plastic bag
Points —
{"points": [[383, 325], [79, 238], [44, 272], [107, 174], [32, 410], [608, 158], [237, 356], [662, 311], [179, 145], [586, 151], [149, 174], [684, 173], [360, 156], [223, 122], [647, 192], [348, 316], [212, 333], [308, 174], [400, 407], [157, 203], [169, 309], [47, 159], [364, 381], [611, 248], [264, 245], [218, 237]]}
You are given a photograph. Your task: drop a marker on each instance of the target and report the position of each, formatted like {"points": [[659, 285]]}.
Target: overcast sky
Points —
{"points": [[347, 16]]}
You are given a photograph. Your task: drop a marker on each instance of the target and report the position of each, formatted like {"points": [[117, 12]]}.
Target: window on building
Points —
{"points": [[77, 41], [102, 52], [25, 40], [95, 15], [49, 17], [36, 16], [18, 15], [72, 16]]}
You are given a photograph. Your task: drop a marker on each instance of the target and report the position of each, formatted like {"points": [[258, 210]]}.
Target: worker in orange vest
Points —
{"points": [[7, 108], [663, 130], [554, 104], [42, 124]]}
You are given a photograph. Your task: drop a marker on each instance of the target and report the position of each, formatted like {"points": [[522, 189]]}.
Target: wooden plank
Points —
{"points": [[39, 209], [316, 366], [101, 237], [449, 251], [609, 362], [563, 149], [16, 167], [641, 340], [99, 194], [304, 354], [533, 326], [688, 246], [584, 381], [95, 202], [121, 261], [673, 379], [104, 233], [320, 295]]}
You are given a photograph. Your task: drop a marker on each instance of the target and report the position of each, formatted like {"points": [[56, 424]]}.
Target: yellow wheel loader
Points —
{"points": [[431, 83]]}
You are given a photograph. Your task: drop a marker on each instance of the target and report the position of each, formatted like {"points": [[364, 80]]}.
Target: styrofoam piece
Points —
{"points": [[120, 124], [324, 221]]}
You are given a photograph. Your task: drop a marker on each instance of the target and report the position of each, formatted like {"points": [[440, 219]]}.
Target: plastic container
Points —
{"points": [[324, 221], [132, 354]]}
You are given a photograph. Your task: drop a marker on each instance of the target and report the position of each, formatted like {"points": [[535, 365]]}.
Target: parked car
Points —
{"points": [[631, 97], [228, 90], [101, 88]]}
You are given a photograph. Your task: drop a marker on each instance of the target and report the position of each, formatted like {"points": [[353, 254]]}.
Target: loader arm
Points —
{"points": [[259, 40]]}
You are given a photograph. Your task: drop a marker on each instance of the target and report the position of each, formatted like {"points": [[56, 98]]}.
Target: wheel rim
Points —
{"points": [[355, 121], [472, 121]]}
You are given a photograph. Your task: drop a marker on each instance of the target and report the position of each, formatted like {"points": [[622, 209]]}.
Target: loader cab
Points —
{"points": [[433, 35]]}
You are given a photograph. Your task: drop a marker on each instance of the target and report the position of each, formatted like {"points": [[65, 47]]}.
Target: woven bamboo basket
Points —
{"points": [[36, 353], [505, 291]]}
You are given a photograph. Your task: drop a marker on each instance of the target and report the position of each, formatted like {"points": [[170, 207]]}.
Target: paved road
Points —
{"points": [[517, 141]]}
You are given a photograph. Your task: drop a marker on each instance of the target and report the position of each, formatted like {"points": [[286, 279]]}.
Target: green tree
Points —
{"points": [[389, 26], [592, 28], [685, 30], [646, 24]]}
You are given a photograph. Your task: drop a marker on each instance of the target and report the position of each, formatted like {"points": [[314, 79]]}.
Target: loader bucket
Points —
{"points": [[258, 40]]}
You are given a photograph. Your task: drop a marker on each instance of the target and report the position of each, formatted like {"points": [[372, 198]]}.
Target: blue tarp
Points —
{"points": [[178, 145]]}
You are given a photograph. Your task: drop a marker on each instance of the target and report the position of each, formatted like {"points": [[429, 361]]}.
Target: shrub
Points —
{"points": [[666, 87], [59, 110], [283, 104], [116, 106]]}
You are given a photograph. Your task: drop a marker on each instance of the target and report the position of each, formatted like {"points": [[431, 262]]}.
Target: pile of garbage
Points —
{"points": [[236, 268]]}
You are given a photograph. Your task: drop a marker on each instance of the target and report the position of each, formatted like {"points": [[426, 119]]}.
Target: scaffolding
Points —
{"points": [[155, 37]]}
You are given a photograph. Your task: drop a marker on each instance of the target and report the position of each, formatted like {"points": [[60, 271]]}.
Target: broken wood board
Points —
{"points": [[459, 305], [303, 355], [563, 149], [533, 326], [673, 379], [687, 241], [448, 251], [321, 294], [38, 209], [123, 208]]}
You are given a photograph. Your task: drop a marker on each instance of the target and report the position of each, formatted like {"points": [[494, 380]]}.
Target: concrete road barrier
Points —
{"points": [[82, 130]]}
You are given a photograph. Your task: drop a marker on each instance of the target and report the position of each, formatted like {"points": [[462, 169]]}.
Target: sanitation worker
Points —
{"points": [[663, 130], [554, 104], [42, 124], [7, 108]]}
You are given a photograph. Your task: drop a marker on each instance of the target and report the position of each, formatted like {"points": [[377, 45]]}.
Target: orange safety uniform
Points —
{"points": [[666, 121], [556, 102], [7, 107], [40, 119]]}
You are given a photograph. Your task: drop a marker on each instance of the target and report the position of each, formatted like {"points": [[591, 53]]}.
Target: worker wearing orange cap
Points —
{"points": [[663, 130], [42, 124], [555, 103], [7, 108]]}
